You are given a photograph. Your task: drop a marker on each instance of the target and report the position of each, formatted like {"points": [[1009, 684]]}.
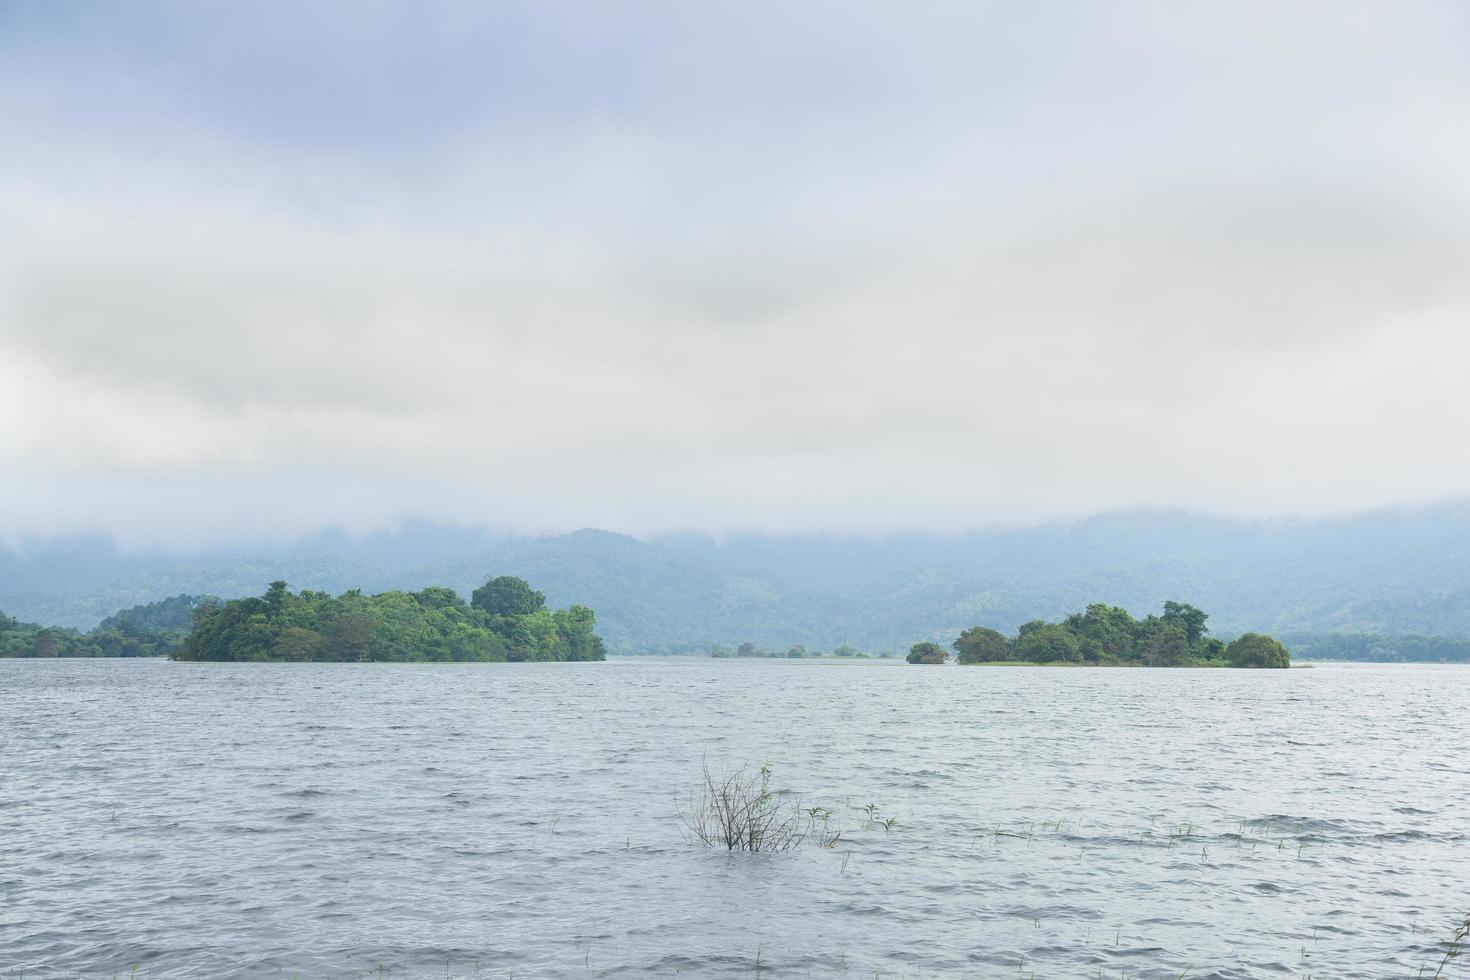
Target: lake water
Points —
{"points": [[235, 820]]}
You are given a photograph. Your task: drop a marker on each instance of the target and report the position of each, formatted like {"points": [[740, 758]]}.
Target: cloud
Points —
{"points": [[698, 269]]}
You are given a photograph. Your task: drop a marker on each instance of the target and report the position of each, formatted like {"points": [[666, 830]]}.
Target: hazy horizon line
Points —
{"points": [[18, 545]]}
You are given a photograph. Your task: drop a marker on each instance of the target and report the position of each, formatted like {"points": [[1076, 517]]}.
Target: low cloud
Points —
{"points": [[632, 315]]}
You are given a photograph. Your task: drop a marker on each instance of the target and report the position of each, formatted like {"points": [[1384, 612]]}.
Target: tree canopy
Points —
{"points": [[1103, 634], [1257, 650], [19, 639], [507, 596], [978, 645], [509, 621], [927, 653]]}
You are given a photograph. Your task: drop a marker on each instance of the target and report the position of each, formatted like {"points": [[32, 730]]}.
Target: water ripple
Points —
{"points": [[404, 821]]}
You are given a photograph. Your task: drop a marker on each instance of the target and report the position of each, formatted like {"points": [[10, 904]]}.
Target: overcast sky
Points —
{"points": [[270, 266]]}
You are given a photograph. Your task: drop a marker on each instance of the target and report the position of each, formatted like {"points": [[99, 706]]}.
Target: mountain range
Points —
{"points": [[1388, 572]]}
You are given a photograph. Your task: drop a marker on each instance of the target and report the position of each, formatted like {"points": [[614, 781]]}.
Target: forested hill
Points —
{"points": [[1402, 571]]}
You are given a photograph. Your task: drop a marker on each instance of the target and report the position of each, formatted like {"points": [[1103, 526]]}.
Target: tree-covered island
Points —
{"points": [[505, 620], [1107, 635], [927, 653]]}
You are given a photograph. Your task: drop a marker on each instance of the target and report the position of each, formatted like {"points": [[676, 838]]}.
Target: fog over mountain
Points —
{"points": [[1395, 571]]}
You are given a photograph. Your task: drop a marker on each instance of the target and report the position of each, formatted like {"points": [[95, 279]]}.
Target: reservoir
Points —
{"points": [[162, 820]]}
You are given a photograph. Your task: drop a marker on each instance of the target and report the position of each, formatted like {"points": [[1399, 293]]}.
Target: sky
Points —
{"points": [[761, 266]]}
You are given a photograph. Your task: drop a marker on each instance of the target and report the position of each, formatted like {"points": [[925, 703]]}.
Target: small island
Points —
{"points": [[927, 653], [1106, 635], [504, 621]]}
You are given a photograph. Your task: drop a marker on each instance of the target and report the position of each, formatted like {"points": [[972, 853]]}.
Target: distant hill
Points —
{"points": [[1384, 572]]}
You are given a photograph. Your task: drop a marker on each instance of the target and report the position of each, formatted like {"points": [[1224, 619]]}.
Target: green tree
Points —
{"points": [[439, 597], [978, 645], [1188, 619], [1166, 646], [351, 632], [120, 643], [275, 599], [295, 643], [1106, 632], [508, 596], [576, 636], [1045, 643], [1257, 650], [927, 653]]}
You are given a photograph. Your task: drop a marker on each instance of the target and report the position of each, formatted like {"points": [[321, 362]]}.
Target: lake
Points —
{"points": [[498, 820]]}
